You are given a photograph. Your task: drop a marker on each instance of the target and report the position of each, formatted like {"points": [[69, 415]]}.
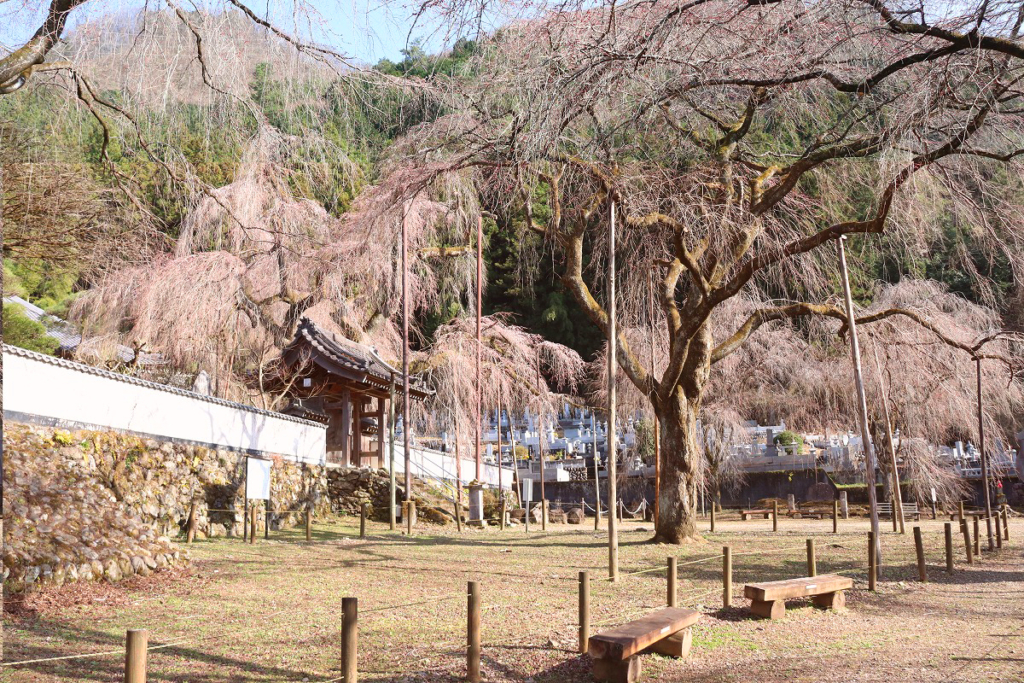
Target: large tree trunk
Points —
{"points": [[677, 510]]}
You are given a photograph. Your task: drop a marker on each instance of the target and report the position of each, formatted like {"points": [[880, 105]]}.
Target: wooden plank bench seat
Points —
{"points": [[615, 652], [909, 510], [747, 513], [769, 599]]}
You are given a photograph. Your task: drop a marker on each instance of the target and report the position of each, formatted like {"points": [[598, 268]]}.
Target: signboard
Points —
{"points": [[527, 490], [257, 479], [933, 494]]}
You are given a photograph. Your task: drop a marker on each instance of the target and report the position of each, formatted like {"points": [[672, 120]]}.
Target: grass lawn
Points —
{"points": [[271, 611]]}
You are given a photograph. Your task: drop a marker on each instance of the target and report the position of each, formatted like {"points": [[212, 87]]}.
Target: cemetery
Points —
{"points": [[534, 341]]}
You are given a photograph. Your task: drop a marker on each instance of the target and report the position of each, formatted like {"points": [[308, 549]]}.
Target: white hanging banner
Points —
{"points": [[257, 479]]}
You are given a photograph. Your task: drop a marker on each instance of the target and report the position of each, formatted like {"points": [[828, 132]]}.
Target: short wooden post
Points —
{"points": [[252, 524], [350, 639], [967, 540], [775, 515], [999, 533], [835, 516], [309, 523], [949, 547], [726, 577], [473, 634], [266, 519], [977, 544], [712, 516], [935, 509], [672, 577], [812, 562], [872, 567], [362, 521], [1006, 524], [961, 510], [190, 528], [409, 511], [922, 571], [584, 611], [245, 522], [844, 504], [136, 643]]}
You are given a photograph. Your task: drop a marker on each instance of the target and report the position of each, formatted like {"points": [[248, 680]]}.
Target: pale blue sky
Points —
{"points": [[365, 29]]}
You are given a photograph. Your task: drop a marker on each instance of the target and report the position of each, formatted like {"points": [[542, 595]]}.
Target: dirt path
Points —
{"points": [[271, 612]]}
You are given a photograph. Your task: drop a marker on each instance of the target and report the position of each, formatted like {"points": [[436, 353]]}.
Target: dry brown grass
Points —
{"points": [[271, 612]]}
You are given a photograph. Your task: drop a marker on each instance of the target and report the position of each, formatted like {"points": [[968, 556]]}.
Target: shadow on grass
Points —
{"points": [[111, 667]]}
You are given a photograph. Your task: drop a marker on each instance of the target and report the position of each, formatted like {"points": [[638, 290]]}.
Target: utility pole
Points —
{"points": [[897, 508], [405, 360], [613, 523], [597, 474], [869, 454], [479, 345], [984, 461], [391, 449], [500, 491], [657, 424], [540, 454]]}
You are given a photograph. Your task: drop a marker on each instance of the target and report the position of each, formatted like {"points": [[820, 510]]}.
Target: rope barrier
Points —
{"points": [[643, 504], [429, 601], [766, 552]]}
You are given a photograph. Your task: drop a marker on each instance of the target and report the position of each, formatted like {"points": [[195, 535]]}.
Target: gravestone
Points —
{"points": [[844, 505]]}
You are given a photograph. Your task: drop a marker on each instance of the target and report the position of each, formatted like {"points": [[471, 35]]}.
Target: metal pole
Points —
{"points": [[391, 452], [984, 463], [405, 357], [869, 454], [479, 345], [897, 496], [613, 523]]}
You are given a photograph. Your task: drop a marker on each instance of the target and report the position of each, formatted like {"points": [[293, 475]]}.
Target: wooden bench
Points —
{"points": [[615, 652], [768, 599], [747, 513], [909, 510]]}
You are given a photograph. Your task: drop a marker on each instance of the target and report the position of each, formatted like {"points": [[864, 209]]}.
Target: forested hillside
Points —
{"points": [[82, 201]]}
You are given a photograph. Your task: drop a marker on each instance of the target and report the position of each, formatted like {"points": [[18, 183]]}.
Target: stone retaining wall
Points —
{"points": [[92, 505]]}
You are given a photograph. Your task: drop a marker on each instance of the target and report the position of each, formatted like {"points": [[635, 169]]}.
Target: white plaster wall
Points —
{"points": [[431, 463], [56, 390]]}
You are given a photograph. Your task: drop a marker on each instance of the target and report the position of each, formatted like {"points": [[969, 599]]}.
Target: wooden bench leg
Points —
{"points": [[835, 600], [767, 515], [743, 516], [676, 645], [769, 609], [625, 671]]}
